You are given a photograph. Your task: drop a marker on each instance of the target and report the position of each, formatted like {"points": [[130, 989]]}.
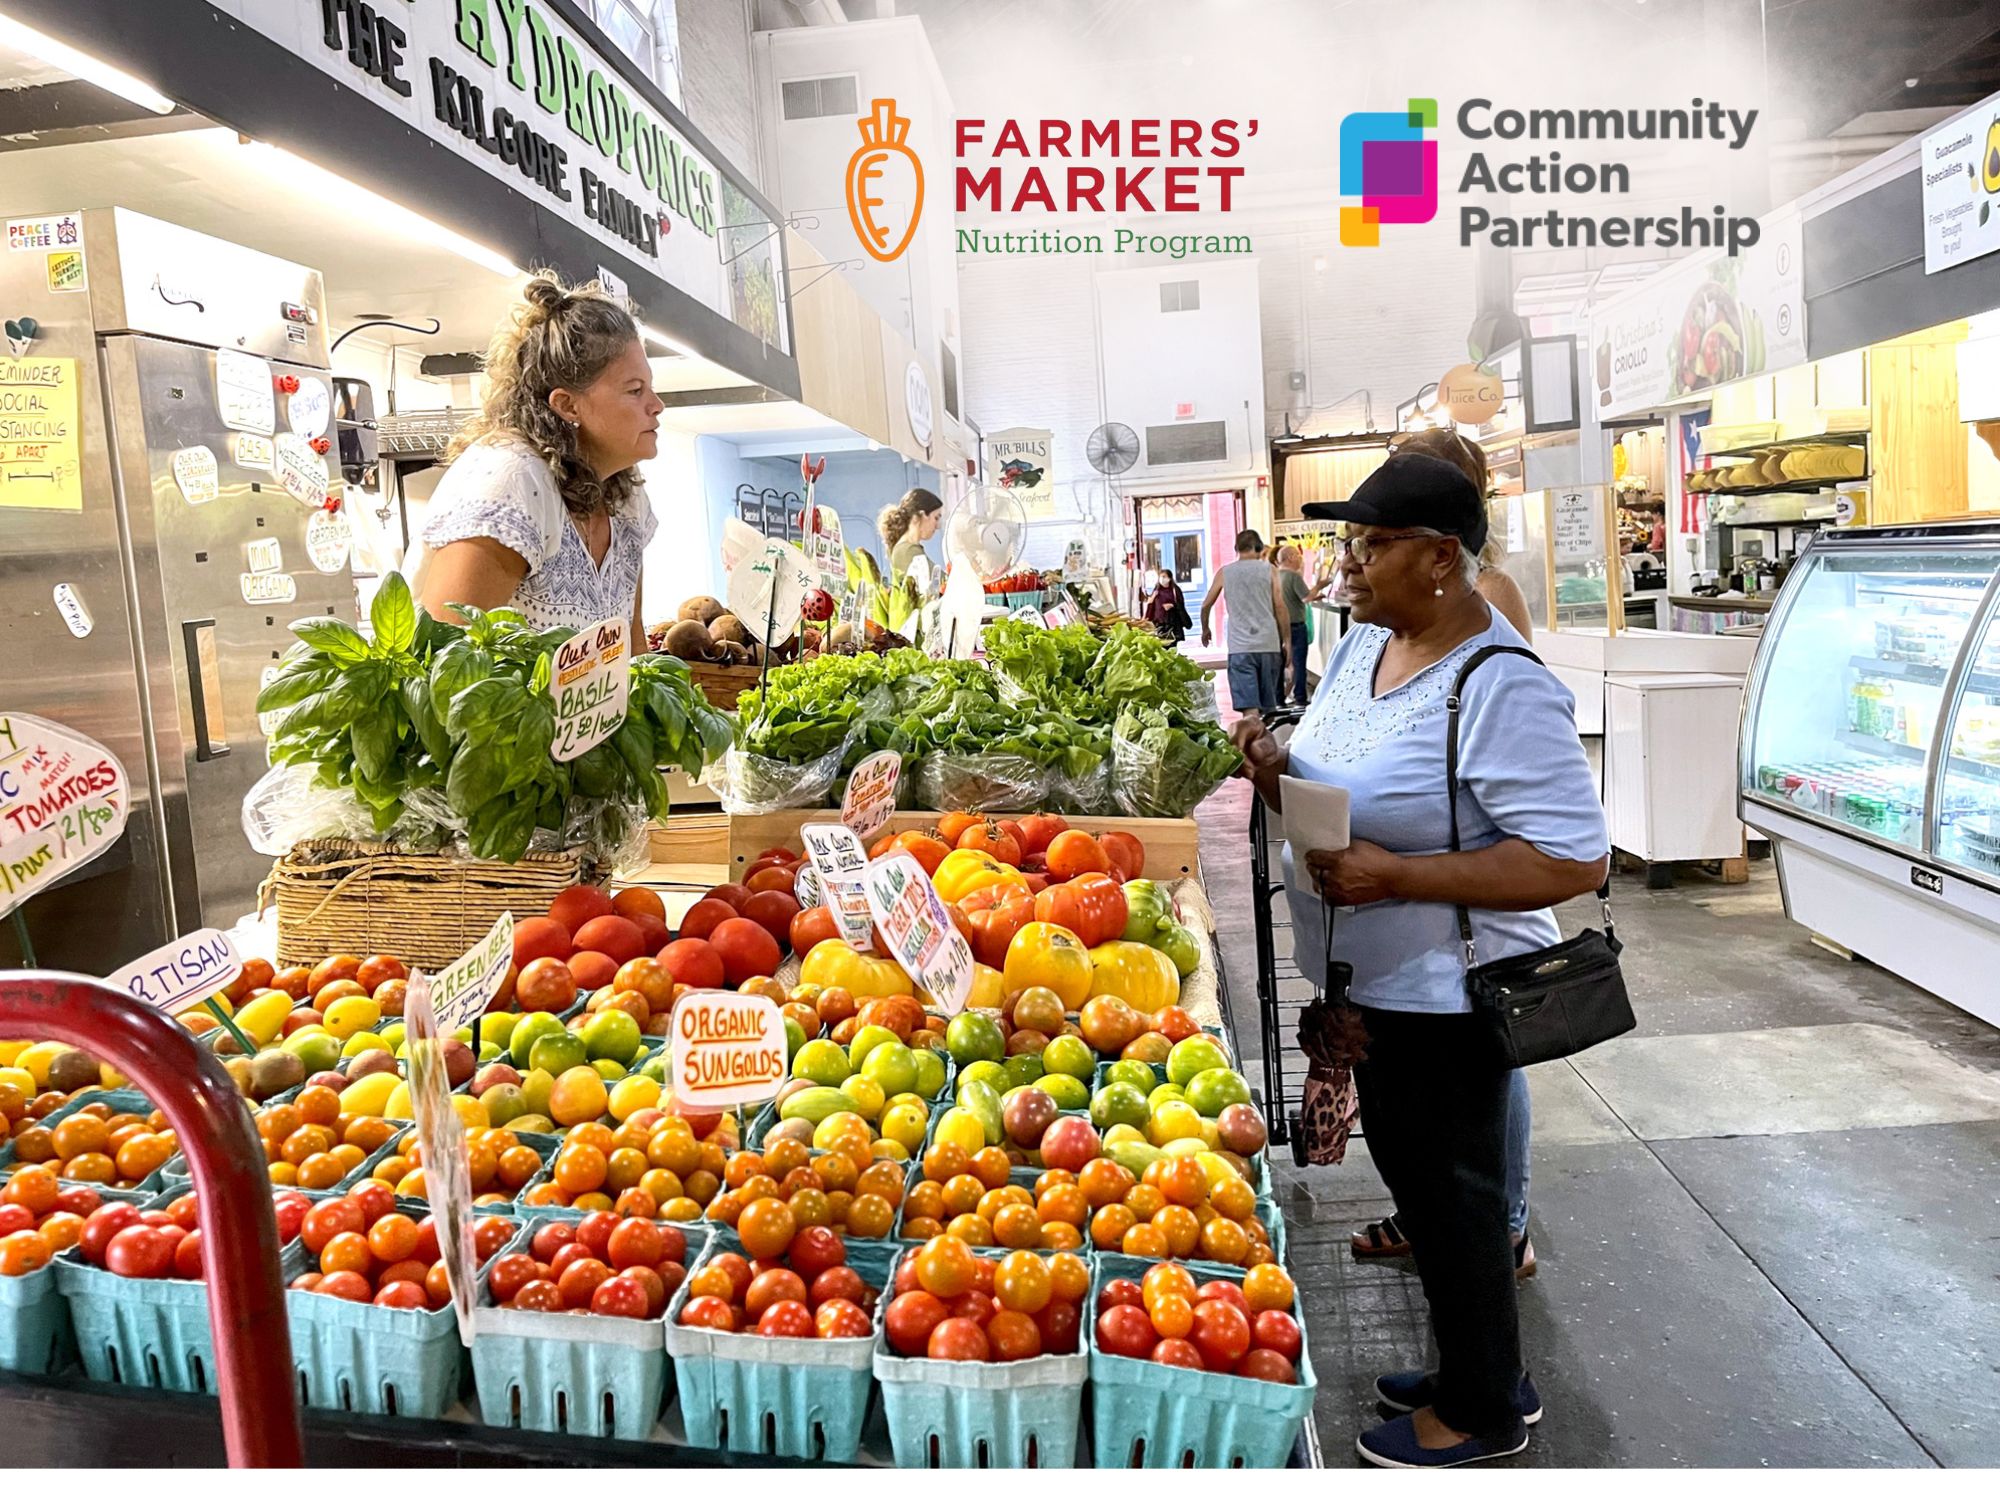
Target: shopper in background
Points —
{"points": [[1166, 608], [1292, 588], [1248, 590], [1385, 1237], [906, 526], [1433, 1097], [542, 509]]}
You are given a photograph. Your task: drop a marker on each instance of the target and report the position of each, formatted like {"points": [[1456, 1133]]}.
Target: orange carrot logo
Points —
{"points": [[875, 175]]}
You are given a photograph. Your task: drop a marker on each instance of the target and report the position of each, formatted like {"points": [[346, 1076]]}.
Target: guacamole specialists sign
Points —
{"points": [[541, 102], [1961, 177]]}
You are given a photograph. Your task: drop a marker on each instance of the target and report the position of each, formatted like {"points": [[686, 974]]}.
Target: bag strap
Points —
{"points": [[1451, 706]]}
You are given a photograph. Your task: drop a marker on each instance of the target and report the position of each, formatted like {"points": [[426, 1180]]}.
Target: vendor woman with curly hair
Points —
{"points": [[543, 509]]}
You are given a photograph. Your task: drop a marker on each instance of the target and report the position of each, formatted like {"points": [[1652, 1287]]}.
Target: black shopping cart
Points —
{"points": [[1282, 990]]}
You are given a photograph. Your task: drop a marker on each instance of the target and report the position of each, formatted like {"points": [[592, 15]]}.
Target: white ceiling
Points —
{"points": [[763, 422]]}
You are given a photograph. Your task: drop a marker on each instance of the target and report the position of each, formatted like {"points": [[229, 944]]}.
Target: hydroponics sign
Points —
{"points": [[513, 87], [1710, 320], [1961, 172]]}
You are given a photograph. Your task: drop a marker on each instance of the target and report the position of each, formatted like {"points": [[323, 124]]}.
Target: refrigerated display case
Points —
{"points": [[1870, 751]]}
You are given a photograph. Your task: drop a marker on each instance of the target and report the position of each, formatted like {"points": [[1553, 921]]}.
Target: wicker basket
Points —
{"points": [[338, 896], [722, 685]]}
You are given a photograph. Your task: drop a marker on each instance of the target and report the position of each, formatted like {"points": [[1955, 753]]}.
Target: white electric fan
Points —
{"points": [[984, 537]]}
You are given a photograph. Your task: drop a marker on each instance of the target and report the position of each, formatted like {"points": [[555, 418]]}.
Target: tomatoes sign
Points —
{"points": [[185, 971], [63, 802], [919, 930], [728, 1049], [838, 860], [871, 793]]}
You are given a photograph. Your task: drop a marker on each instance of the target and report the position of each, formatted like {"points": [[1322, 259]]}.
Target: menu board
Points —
{"points": [[1577, 524]]}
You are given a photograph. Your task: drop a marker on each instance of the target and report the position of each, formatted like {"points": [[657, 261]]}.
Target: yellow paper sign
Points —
{"points": [[41, 464]]}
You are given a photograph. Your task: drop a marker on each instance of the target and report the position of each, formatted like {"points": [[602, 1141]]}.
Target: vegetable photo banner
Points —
{"points": [[1017, 460], [1710, 320]]}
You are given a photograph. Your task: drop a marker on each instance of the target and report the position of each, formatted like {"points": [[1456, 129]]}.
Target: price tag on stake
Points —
{"points": [[727, 1049], [591, 683], [183, 973], [837, 860], [63, 802], [463, 988], [447, 1171], [829, 553], [919, 930], [767, 589], [871, 793]]}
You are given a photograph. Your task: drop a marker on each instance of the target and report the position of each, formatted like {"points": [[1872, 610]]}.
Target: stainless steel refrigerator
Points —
{"points": [[151, 562]]}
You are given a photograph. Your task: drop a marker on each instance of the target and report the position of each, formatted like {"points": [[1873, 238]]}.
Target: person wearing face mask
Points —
{"points": [[543, 510], [1433, 1091], [1166, 608]]}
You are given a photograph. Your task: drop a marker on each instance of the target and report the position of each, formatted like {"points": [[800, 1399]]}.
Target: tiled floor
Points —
{"points": [[1768, 1221]]}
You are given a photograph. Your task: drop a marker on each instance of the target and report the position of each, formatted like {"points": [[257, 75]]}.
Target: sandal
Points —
{"points": [[1524, 1259], [1381, 1240]]}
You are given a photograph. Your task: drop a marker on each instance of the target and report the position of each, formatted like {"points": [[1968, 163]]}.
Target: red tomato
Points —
{"points": [[960, 1339], [1013, 1336], [975, 1305], [593, 1232], [1038, 831], [910, 1321], [704, 917], [141, 1252], [673, 1244], [290, 1209], [102, 1226], [187, 1256], [654, 1285], [991, 838], [539, 1296], [617, 1297], [568, 1256], [1223, 1291], [1125, 1329], [1278, 1331], [1073, 853], [80, 1200], [811, 927], [374, 1198], [787, 1320], [731, 894], [1126, 855], [550, 1238], [509, 1274], [747, 950], [838, 1318], [1091, 906], [708, 1312], [349, 1286], [816, 1249], [836, 1282], [1176, 1352], [1061, 1326], [1119, 1292], [693, 962], [405, 1294], [635, 1242], [325, 1220], [578, 1282], [1268, 1364], [1221, 1333], [184, 1210], [773, 911], [772, 1287], [736, 1268], [488, 1235], [15, 1219]]}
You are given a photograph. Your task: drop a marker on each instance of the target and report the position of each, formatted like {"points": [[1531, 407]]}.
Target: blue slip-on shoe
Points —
{"points": [[1394, 1445], [1407, 1390]]}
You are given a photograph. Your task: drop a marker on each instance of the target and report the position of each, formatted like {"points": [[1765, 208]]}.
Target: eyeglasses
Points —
{"points": [[1362, 548]]}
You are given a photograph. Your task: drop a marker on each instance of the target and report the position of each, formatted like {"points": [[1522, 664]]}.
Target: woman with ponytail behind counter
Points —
{"points": [[542, 509]]}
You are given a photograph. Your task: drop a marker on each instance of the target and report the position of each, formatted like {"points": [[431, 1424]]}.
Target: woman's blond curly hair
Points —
{"points": [[554, 337]]}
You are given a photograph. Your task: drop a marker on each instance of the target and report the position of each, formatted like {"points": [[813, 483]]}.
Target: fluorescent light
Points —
{"points": [[351, 196], [653, 335], [83, 65]]}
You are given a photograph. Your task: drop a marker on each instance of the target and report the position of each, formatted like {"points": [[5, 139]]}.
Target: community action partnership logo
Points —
{"points": [[1390, 163]]}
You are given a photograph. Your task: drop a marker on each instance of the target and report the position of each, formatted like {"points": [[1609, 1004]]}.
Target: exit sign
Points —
{"points": [[1183, 411]]}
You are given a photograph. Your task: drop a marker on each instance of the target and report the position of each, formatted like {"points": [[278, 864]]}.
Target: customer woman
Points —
{"points": [[542, 509], [906, 526], [1166, 608], [1384, 1237], [1433, 1096]]}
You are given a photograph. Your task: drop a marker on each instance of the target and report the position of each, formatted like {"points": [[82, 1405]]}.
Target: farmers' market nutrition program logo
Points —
{"points": [[884, 174], [1388, 162]]}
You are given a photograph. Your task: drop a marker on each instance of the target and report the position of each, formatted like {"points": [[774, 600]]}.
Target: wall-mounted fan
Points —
{"points": [[1112, 448]]}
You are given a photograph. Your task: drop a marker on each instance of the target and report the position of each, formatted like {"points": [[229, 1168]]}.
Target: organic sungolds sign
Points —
{"points": [[727, 1049]]}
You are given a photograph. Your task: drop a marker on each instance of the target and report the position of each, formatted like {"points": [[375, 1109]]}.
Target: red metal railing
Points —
{"points": [[239, 1234]]}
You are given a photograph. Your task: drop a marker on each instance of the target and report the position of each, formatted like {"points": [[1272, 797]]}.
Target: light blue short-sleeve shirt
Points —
{"points": [[1522, 774]]}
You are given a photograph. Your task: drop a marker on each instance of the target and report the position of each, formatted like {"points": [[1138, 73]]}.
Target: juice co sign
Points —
{"points": [[514, 87]]}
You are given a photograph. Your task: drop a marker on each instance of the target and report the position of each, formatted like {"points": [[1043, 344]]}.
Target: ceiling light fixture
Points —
{"points": [[83, 65], [351, 196], [653, 335]]}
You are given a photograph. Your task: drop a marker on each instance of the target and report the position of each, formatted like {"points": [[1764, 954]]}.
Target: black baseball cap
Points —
{"points": [[1412, 489]]}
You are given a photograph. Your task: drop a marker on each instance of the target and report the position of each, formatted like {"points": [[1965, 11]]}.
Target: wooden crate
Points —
{"points": [[1173, 845], [691, 838]]}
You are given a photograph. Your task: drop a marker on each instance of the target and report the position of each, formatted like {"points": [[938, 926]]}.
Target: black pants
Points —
{"points": [[1434, 1107]]}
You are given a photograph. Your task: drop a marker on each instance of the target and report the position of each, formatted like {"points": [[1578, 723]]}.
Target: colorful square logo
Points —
{"points": [[1387, 162]]}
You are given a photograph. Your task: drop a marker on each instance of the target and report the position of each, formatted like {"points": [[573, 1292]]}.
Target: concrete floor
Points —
{"points": [[1768, 1221]]}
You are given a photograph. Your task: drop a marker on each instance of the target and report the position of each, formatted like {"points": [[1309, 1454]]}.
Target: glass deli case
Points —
{"points": [[1871, 750]]}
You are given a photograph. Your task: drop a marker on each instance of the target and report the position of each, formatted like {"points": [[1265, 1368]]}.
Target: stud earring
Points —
{"points": [[1439, 591]]}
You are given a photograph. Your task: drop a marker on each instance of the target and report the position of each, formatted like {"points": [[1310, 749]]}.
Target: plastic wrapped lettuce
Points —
{"points": [[1164, 765]]}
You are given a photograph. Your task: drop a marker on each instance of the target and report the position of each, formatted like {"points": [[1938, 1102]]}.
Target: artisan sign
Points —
{"points": [[183, 973], [514, 87]]}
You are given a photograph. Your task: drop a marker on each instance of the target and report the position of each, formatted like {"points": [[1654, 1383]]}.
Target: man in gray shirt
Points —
{"points": [[1249, 591], [1292, 584]]}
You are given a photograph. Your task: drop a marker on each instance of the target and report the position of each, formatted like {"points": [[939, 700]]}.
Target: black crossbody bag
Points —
{"points": [[1556, 1001]]}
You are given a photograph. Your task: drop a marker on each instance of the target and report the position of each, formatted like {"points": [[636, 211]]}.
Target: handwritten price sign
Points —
{"points": [[871, 793], [590, 682], [463, 988], [727, 1049], [919, 930], [63, 802], [837, 861], [184, 972]]}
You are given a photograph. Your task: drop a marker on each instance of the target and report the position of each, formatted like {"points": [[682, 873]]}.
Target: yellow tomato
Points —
{"points": [[832, 963], [1045, 954], [1144, 978]]}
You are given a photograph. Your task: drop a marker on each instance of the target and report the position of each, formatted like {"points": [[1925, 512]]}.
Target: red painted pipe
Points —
{"points": [[239, 1232]]}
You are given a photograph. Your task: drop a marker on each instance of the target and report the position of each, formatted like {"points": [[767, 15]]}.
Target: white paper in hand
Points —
{"points": [[1315, 815]]}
